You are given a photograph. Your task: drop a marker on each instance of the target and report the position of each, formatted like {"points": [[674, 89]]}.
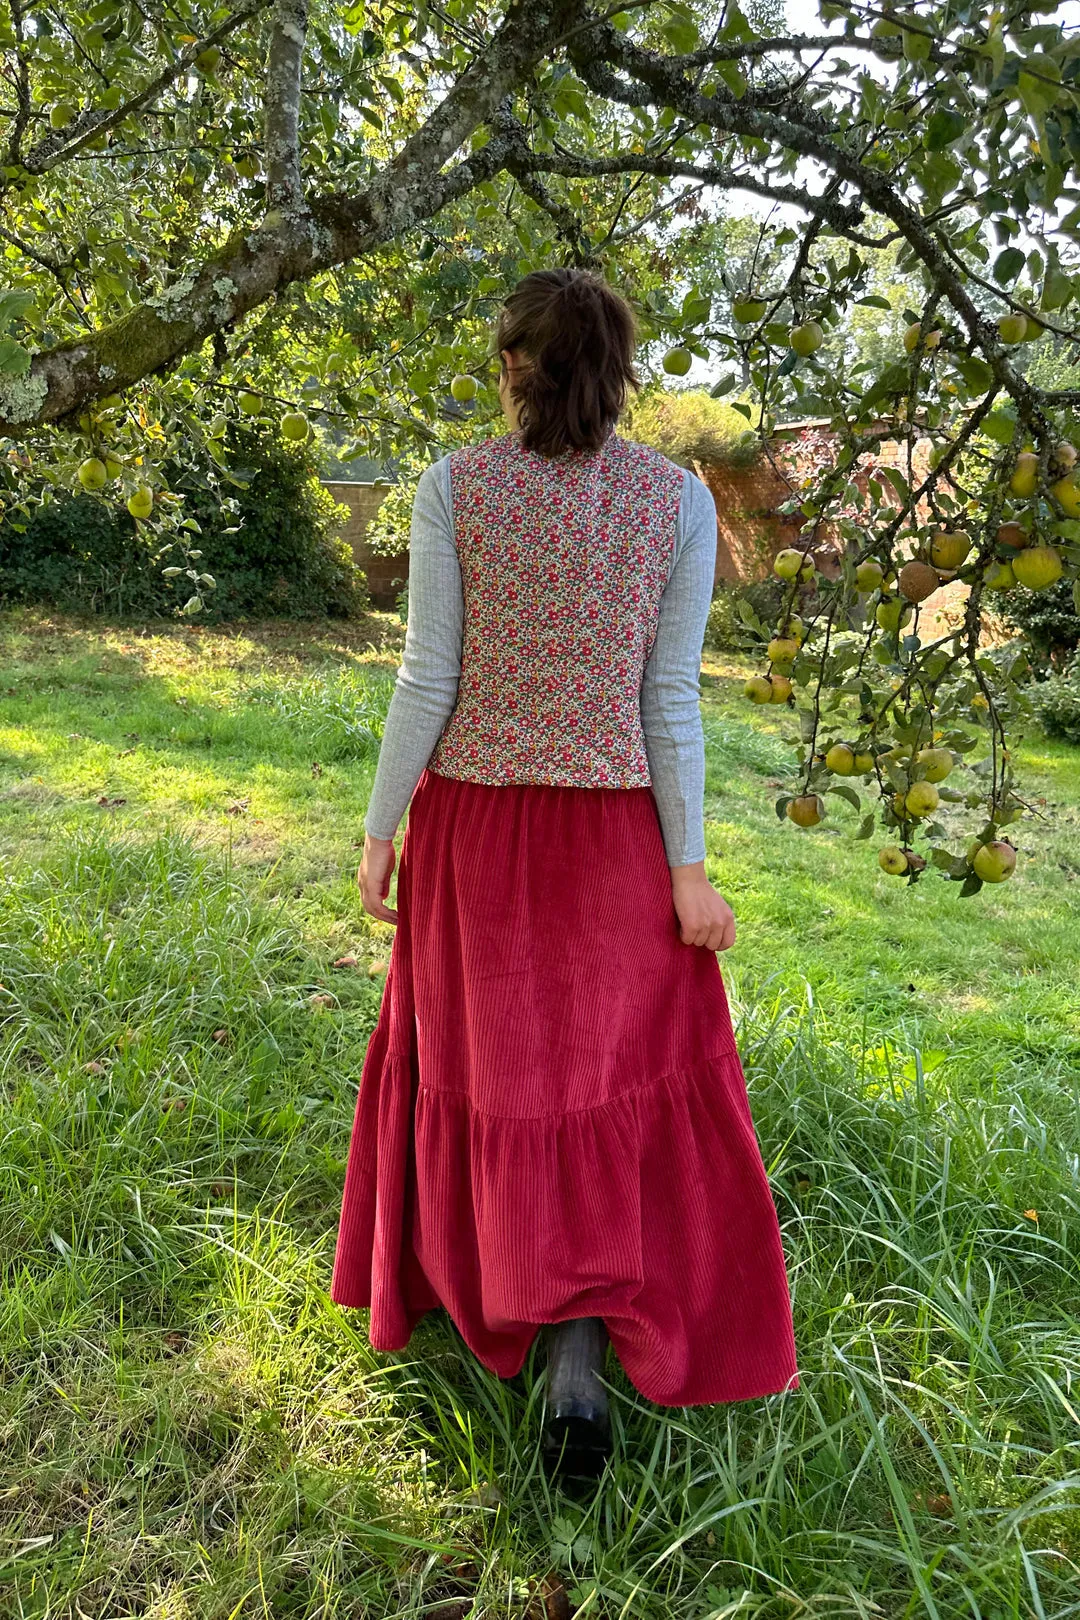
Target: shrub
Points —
{"points": [[84, 555], [271, 546], [1048, 621], [1057, 702], [388, 532], [726, 628], [691, 426]]}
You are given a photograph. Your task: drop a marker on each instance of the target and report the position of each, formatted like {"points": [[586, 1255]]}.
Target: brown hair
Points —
{"points": [[577, 336]]}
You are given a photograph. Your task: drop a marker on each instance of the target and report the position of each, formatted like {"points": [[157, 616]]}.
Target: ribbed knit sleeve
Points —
{"points": [[427, 680], [670, 690]]}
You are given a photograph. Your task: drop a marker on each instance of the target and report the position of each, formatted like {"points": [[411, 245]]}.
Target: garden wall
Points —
{"points": [[750, 531]]}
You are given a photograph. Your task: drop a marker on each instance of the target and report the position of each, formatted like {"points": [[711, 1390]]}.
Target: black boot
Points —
{"points": [[577, 1439]]}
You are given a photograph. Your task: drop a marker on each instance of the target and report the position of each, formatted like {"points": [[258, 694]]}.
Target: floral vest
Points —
{"points": [[563, 563]]}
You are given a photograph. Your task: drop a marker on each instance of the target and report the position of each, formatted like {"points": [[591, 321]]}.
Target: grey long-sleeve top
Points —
{"points": [[426, 688]]}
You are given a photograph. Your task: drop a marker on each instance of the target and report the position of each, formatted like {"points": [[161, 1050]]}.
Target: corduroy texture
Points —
{"points": [[552, 1119]]}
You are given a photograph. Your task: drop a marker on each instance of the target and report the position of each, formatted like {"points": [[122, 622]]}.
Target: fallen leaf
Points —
{"points": [[1032, 1215], [316, 768], [174, 1105], [222, 1037], [94, 1067], [174, 1341], [237, 808]]}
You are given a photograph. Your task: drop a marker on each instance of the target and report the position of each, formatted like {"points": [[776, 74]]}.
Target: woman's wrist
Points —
{"points": [[689, 875], [370, 838]]}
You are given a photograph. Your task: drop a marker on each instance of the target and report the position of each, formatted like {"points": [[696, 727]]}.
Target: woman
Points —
{"points": [[552, 1125]]}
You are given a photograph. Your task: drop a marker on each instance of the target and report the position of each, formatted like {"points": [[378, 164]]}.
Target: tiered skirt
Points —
{"points": [[552, 1118]]}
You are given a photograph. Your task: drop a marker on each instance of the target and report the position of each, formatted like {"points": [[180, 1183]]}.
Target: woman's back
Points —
{"points": [[563, 561]]}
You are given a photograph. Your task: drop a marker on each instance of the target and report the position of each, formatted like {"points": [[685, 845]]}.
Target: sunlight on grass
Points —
{"points": [[193, 1432]]}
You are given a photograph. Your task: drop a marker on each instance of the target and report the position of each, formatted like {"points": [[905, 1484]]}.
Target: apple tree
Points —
{"points": [[296, 208]]}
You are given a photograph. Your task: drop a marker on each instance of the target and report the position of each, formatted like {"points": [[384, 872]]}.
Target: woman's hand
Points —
{"points": [[705, 918], [373, 878]]}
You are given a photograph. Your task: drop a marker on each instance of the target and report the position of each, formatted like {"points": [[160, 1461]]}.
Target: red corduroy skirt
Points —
{"points": [[552, 1119]]}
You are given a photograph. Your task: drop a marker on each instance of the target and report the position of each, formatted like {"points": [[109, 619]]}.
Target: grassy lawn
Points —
{"points": [[191, 1431]]}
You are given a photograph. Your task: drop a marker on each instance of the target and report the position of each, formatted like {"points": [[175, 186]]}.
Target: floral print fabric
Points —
{"points": [[563, 564]]}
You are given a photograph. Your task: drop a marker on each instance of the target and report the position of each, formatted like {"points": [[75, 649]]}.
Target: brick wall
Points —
{"points": [[385, 575], [750, 531]]}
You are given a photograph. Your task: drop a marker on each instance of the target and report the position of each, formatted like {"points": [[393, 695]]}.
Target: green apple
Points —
{"points": [[935, 763], [806, 338], [840, 759], [758, 689], [93, 474], [677, 362], [891, 859], [949, 550], [786, 563], [141, 502], [1012, 328], [1037, 567], [995, 862], [1025, 474], [463, 388], [921, 799], [295, 426]]}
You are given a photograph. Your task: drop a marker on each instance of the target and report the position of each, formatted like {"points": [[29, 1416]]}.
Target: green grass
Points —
{"points": [[191, 1431]]}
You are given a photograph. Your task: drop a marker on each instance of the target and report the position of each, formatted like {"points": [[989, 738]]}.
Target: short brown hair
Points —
{"points": [[578, 335]]}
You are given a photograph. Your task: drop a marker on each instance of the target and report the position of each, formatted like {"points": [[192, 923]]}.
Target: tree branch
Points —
{"points": [[57, 147], [296, 245], [284, 185], [660, 81]]}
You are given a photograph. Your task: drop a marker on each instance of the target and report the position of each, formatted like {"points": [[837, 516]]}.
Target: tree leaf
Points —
{"points": [[1008, 265], [943, 127]]}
